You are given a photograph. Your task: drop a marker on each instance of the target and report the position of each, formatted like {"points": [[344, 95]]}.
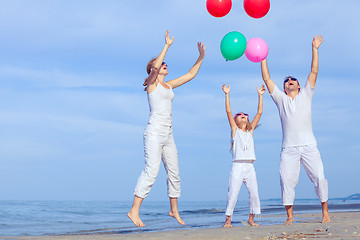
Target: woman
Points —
{"points": [[158, 138]]}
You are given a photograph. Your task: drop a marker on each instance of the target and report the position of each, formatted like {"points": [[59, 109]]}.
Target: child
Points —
{"points": [[243, 152]]}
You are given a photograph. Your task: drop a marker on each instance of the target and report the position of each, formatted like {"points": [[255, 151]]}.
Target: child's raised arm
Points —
{"points": [[257, 117], [228, 109]]}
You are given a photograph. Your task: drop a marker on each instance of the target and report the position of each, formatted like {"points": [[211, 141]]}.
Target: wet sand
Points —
{"points": [[344, 225]]}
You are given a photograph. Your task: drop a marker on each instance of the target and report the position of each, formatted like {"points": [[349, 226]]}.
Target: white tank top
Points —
{"points": [[243, 146], [160, 105]]}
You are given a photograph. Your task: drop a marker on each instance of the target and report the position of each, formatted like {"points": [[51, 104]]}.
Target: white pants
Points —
{"points": [[159, 145], [291, 158], [243, 172]]}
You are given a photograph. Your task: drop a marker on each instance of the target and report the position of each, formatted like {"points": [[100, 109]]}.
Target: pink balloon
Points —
{"points": [[256, 50]]}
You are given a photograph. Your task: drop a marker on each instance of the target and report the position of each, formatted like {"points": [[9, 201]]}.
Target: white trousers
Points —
{"points": [[242, 172], [291, 158], [159, 145]]}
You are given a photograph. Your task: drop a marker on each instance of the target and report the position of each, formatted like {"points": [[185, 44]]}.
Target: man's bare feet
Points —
{"points": [[289, 221], [325, 212], [326, 218], [227, 223], [135, 218], [176, 215]]}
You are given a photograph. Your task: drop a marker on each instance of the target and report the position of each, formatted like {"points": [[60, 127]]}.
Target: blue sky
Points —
{"points": [[73, 109]]}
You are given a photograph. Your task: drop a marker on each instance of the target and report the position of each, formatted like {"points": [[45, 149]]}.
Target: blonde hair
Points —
{"points": [[148, 70]]}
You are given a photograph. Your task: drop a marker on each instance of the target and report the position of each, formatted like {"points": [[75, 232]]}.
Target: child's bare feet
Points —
{"points": [[135, 218], [176, 215], [251, 220], [252, 223], [227, 223]]}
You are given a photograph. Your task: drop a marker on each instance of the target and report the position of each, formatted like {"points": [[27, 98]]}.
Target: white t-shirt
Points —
{"points": [[160, 105], [295, 116], [243, 146]]}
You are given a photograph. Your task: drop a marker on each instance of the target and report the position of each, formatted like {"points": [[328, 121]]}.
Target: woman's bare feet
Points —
{"points": [[227, 223], [135, 218], [176, 215], [133, 214]]}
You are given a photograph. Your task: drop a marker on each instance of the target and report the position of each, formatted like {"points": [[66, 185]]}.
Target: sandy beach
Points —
{"points": [[344, 225]]}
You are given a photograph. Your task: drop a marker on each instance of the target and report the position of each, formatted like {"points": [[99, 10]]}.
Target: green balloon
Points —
{"points": [[233, 45]]}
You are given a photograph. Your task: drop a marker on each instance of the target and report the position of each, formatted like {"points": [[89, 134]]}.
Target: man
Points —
{"points": [[299, 143]]}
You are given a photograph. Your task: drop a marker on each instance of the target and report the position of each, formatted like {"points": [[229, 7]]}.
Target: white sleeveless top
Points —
{"points": [[243, 146], [160, 105]]}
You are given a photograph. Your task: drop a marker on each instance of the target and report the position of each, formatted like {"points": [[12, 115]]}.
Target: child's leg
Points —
{"points": [[252, 187], [251, 220], [235, 182]]}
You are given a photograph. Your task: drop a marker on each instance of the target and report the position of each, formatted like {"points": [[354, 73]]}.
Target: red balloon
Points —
{"points": [[218, 8], [257, 8]]}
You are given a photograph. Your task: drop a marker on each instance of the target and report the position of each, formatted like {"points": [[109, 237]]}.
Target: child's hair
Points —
{"points": [[248, 125], [148, 70]]}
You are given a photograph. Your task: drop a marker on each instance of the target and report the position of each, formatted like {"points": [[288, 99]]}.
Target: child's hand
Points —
{"points": [[226, 89], [261, 91]]}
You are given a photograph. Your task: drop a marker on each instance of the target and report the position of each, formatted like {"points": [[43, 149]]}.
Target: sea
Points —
{"points": [[44, 218]]}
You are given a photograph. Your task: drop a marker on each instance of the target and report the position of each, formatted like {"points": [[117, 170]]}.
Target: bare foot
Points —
{"points": [[252, 223], [227, 223], [289, 221], [135, 218], [177, 217], [326, 218]]}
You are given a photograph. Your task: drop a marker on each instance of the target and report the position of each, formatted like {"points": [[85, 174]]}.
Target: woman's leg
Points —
{"points": [[133, 214], [174, 210], [152, 150], [171, 164]]}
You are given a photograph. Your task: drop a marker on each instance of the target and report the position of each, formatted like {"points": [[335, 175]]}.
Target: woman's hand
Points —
{"points": [[201, 48], [168, 41], [226, 89], [261, 91]]}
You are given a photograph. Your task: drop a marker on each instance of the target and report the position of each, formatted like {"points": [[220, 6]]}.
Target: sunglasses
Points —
{"points": [[290, 78], [238, 114], [163, 63]]}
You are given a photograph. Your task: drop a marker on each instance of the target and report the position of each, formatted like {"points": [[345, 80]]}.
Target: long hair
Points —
{"points": [[148, 70]]}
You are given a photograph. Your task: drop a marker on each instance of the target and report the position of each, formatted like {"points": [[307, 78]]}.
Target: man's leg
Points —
{"points": [[289, 177], [315, 170]]}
